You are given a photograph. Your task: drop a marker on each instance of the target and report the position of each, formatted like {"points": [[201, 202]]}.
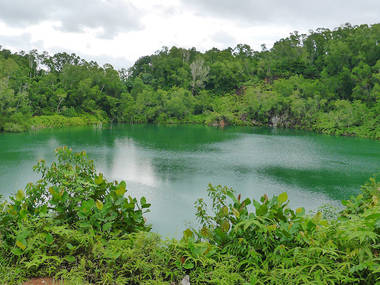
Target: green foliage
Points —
{"points": [[68, 210], [327, 81], [59, 121], [74, 225], [275, 244]]}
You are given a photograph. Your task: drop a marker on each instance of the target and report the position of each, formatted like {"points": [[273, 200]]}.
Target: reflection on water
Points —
{"points": [[326, 181], [173, 165], [129, 164]]}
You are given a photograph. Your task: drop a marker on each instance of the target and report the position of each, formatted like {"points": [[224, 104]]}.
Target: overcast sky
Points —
{"points": [[121, 31]]}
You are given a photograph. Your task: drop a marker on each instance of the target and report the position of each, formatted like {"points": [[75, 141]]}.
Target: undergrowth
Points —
{"points": [[74, 225]]}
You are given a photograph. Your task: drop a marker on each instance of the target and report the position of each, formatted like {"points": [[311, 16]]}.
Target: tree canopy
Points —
{"points": [[327, 81]]}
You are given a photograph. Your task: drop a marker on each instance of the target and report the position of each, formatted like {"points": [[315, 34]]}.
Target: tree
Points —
{"points": [[199, 73], [61, 95]]}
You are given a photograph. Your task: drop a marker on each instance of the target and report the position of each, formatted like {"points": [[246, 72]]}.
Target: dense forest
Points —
{"points": [[327, 81]]}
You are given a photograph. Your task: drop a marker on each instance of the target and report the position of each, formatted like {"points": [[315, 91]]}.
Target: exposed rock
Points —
{"points": [[241, 91], [219, 123], [275, 121], [243, 117], [43, 281], [185, 280], [214, 124], [280, 121]]}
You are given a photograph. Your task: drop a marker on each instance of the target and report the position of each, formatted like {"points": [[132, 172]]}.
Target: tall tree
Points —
{"points": [[199, 74]]}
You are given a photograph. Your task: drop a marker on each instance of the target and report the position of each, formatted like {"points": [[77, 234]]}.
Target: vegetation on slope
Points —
{"points": [[73, 224], [327, 81]]}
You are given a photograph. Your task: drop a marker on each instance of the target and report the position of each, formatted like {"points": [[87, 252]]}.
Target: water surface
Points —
{"points": [[172, 165]]}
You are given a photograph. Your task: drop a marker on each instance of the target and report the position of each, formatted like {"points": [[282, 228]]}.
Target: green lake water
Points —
{"points": [[172, 165]]}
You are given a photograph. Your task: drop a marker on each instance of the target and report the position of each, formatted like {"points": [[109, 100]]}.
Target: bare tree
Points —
{"points": [[185, 55], [61, 95], [199, 73]]}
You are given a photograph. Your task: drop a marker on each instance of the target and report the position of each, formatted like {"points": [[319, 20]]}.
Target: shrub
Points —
{"points": [[73, 224], [275, 244], [70, 201]]}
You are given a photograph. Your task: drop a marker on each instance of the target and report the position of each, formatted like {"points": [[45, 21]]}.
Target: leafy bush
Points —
{"points": [[59, 121], [275, 244], [69, 201], [73, 224]]}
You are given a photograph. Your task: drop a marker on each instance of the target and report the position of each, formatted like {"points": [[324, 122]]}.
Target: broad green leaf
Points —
{"points": [[300, 211], [146, 205], [188, 265], [282, 198], [256, 204], [232, 196], [20, 195], [23, 213], [121, 189], [310, 226], [317, 217], [43, 210], [272, 227], [262, 210], [107, 226], [22, 235], [249, 223], [21, 244], [11, 210], [129, 205], [236, 212], [205, 232], [52, 191], [85, 225], [99, 204], [264, 198], [143, 203], [373, 217], [99, 179], [246, 202], [112, 254], [225, 226], [188, 234], [223, 211], [70, 258], [87, 206], [17, 251], [49, 238]]}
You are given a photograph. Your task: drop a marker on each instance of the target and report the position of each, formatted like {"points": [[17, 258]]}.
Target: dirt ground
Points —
{"points": [[43, 281]]}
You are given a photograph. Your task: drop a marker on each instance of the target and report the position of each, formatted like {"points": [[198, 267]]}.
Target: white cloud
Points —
{"points": [[108, 16], [121, 31]]}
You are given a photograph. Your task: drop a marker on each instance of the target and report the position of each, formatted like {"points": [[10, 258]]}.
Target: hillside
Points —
{"points": [[327, 81]]}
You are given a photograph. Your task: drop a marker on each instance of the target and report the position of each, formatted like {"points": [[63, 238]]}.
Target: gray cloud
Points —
{"points": [[20, 42], [116, 61], [293, 12], [24, 42], [223, 38], [112, 16]]}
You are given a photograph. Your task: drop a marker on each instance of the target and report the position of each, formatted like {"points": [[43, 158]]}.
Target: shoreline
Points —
{"points": [[37, 123]]}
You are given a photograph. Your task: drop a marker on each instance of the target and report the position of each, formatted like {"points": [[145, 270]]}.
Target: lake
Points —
{"points": [[172, 165]]}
